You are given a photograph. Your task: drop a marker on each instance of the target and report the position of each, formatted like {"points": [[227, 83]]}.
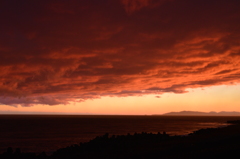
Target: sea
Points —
{"points": [[47, 133]]}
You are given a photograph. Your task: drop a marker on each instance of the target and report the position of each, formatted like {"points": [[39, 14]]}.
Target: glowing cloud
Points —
{"points": [[60, 52]]}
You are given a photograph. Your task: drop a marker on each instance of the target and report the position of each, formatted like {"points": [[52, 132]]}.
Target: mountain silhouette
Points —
{"points": [[198, 113]]}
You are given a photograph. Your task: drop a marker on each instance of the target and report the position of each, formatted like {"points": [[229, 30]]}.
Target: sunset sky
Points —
{"points": [[136, 57]]}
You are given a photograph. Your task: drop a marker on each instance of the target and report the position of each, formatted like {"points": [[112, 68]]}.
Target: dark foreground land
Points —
{"points": [[204, 143]]}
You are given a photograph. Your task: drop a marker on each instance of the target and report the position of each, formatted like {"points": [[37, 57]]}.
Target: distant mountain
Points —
{"points": [[197, 113]]}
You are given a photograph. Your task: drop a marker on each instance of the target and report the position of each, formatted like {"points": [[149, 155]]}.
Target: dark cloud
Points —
{"points": [[56, 52]]}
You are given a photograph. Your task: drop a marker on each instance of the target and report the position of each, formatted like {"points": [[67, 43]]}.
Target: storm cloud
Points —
{"points": [[56, 52]]}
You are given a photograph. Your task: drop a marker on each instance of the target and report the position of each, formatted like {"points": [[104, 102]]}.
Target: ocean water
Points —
{"points": [[38, 133]]}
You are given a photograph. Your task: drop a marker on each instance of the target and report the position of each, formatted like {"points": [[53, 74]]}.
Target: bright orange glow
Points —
{"points": [[216, 98]]}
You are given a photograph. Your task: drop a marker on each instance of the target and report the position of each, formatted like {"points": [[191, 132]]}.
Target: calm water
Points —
{"points": [[49, 133]]}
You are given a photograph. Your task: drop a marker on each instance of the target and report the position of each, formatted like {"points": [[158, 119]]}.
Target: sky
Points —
{"points": [[129, 57]]}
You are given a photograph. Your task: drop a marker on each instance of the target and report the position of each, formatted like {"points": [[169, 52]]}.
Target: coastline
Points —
{"points": [[203, 143]]}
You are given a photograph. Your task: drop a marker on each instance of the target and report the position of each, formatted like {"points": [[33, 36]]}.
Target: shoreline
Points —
{"points": [[147, 144]]}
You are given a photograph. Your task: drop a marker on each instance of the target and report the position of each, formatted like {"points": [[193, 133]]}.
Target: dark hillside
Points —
{"points": [[204, 143]]}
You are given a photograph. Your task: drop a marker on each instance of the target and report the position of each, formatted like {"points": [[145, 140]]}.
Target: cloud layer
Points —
{"points": [[56, 52]]}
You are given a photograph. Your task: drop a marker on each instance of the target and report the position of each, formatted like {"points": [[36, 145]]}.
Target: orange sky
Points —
{"points": [[119, 56]]}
